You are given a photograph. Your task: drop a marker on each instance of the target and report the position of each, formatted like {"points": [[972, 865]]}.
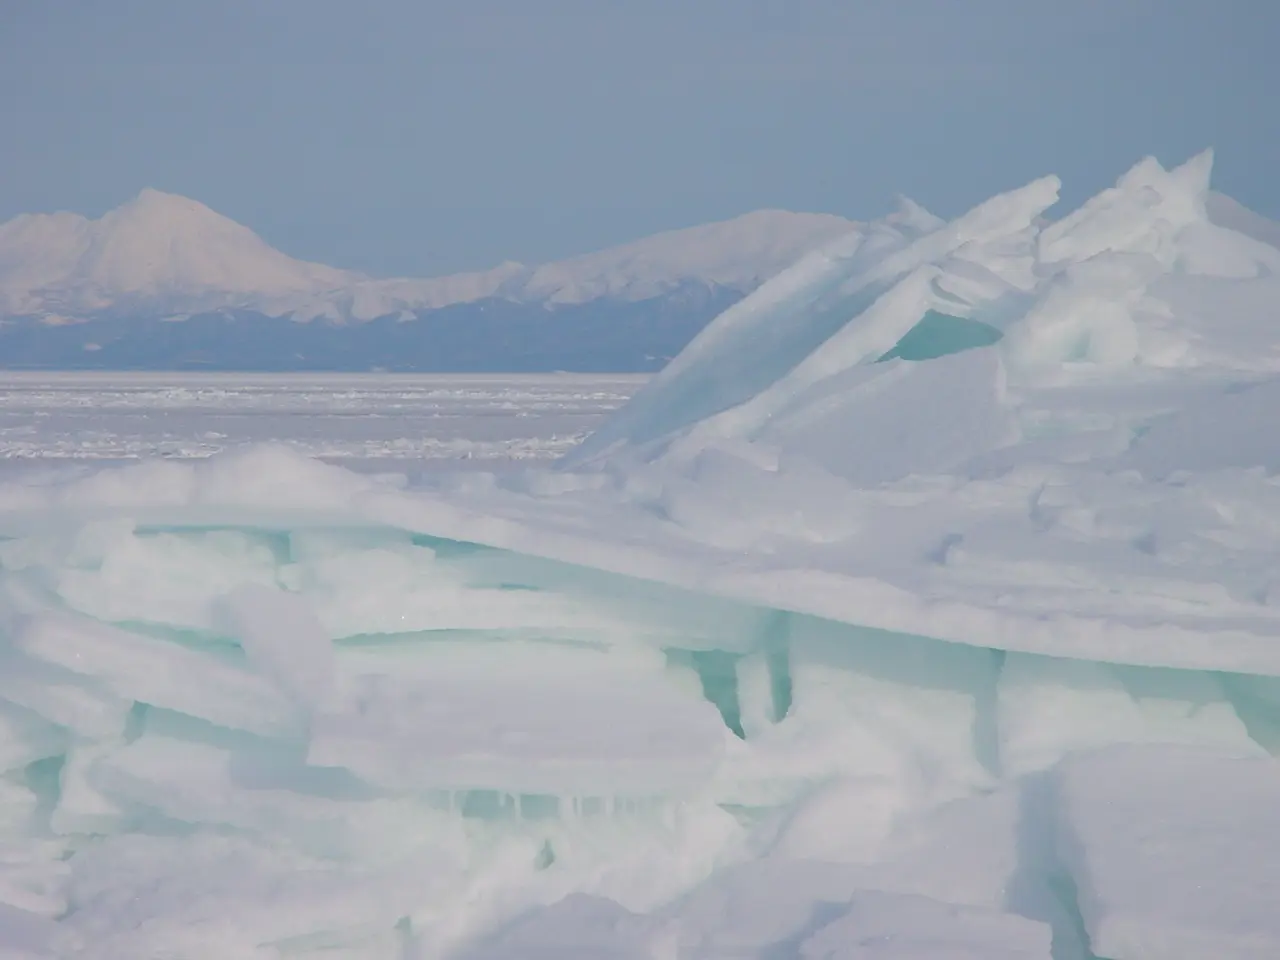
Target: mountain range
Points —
{"points": [[164, 283]]}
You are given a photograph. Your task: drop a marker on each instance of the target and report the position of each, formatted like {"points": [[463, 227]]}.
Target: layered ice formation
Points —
{"points": [[927, 606]]}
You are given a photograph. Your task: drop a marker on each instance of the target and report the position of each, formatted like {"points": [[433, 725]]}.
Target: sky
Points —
{"points": [[421, 137]]}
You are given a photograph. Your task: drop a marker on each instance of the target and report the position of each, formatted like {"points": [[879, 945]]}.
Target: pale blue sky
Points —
{"points": [[404, 137]]}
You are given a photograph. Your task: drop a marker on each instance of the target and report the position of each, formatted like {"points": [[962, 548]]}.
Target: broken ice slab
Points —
{"points": [[1175, 852], [24, 935], [813, 909], [617, 608], [33, 877], [887, 926], [65, 698], [165, 577], [264, 791], [283, 640], [522, 718], [1050, 707], [898, 721], [18, 806], [26, 738], [209, 897], [758, 908], [81, 807], [405, 588], [579, 927], [134, 667], [371, 943]]}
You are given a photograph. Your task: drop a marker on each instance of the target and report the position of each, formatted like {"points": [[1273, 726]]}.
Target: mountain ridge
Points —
{"points": [[162, 253]]}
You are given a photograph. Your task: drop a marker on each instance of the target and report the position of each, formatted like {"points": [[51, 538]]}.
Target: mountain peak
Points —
{"points": [[153, 202], [159, 249], [159, 220]]}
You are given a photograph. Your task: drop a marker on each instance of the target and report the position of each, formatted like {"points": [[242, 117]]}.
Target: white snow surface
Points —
{"points": [[860, 632], [167, 255]]}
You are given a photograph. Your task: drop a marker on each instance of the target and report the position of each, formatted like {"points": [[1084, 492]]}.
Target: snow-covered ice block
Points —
{"points": [[63, 697], [264, 791], [169, 577], [994, 851], [358, 944], [745, 910], [1175, 852], [24, 935], [1050, 707], [81, 807], [18, 806], [134, 667], [888, 926], [284, 641], [969, 851], [611, 607], [405, 588], [206, 897], [1227, 430], [878, 722], [25, 738], [34, 876], [522, 718], [810, 908], [895, 419], [36, 888], [579, 927]]}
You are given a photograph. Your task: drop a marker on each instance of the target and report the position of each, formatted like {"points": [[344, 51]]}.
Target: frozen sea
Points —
{"points": [[925, 606], [369, 421]]}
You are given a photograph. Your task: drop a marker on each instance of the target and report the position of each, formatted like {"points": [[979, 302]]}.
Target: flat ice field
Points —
{"points": [[356, 420], [927, 607]]}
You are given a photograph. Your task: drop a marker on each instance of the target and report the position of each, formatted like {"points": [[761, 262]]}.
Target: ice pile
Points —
{"points": [[927, 607]]}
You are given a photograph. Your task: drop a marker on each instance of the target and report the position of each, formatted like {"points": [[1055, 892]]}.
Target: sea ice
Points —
{"points": [[925, 606]]}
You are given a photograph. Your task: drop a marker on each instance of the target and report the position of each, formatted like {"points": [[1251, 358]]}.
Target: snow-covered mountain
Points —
{"points": [[158, 250], [161, 254]]}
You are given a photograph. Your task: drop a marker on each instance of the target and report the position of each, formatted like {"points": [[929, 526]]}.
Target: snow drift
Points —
{"points": [[926, 606]]}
